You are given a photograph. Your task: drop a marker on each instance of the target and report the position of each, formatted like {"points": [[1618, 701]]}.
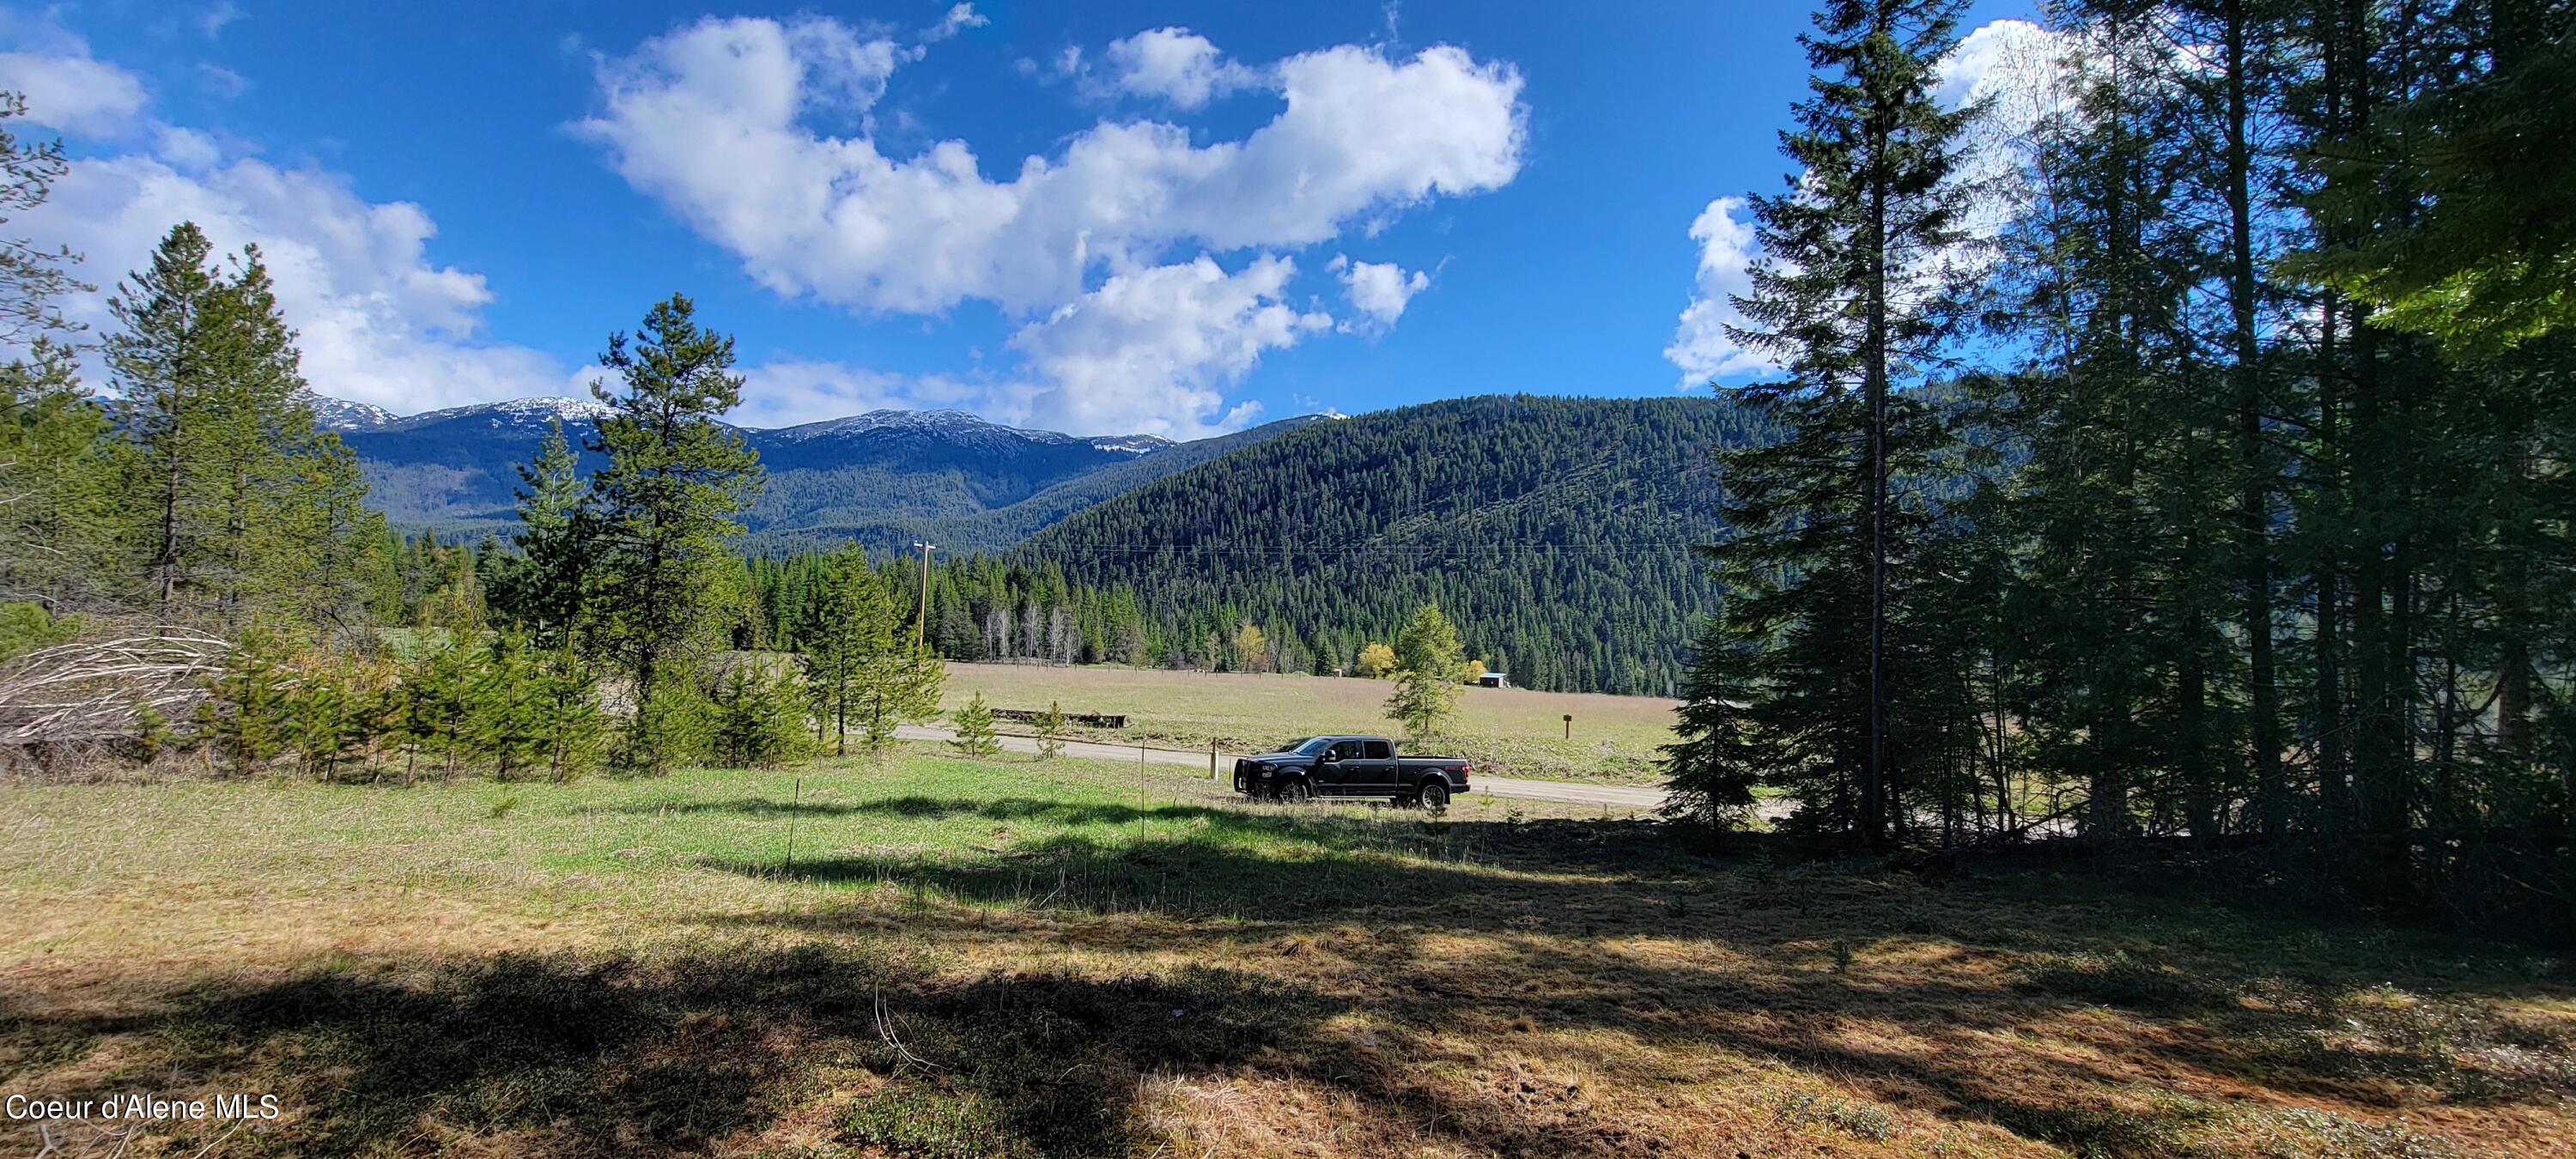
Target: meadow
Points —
{"points": [[941, 957], [1511, 732]]}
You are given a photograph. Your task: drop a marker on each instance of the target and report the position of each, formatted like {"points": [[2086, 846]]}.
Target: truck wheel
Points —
{"points": [[1435, 796], [1295, 791]]}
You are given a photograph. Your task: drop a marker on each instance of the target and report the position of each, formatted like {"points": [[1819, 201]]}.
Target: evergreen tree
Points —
{"points": [[2485, 257], [661, 511], [67, 529], [1428, 662], [895, 687], [847, 633], [510, 725], [433, 708], [1718, 755], [759, 717], [247, 714], [33, 279], [974, 726], [567, 691], [1050, 726], [333, 712], [250, 507], [1860, 262], [541, 588]]}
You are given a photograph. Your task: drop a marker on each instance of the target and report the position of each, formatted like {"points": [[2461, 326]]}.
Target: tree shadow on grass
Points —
{"points": [[679, 1053], [1554, 923]]}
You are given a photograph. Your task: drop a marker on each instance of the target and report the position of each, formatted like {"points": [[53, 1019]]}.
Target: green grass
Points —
{"points": [[946, 957], [1513, 732]]}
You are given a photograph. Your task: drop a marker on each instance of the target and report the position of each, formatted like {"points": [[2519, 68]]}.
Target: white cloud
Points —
{"points": [[959, 19], [72, 93], [1995, 59], [1148, 350], [710, 121], [1378, 290], [1702, 347], [377, 321], [2011, 65], [1176, 65], [186, 148], [723, 122]]}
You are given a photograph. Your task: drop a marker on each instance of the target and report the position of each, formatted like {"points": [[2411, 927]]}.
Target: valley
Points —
{"points": [[1507, 732]]}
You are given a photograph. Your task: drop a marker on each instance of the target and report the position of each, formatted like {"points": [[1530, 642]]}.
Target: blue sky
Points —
{"points": [[1235, 213]]}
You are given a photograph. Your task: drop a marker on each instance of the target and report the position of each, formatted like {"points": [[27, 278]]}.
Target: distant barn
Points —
{"points": [[1494, 680]]}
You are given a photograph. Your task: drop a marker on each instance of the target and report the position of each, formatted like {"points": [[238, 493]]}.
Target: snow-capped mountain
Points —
{"points": [[339, 414], [960, 427], [536, 413], [861, 476]]}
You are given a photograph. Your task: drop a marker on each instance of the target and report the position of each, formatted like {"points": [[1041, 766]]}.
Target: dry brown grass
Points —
{"points": [[1082, 959], [1513, 732]]}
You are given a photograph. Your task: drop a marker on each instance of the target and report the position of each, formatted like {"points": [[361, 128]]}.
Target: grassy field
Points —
{"points": [[1512, 732], [949, 958]]}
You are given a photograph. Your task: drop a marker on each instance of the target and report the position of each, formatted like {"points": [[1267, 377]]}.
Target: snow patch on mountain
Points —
{"points": [[339, 414], [533, 412], [1133, 444], [950, 426]]}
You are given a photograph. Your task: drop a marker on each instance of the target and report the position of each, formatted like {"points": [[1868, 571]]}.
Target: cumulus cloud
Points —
{"points": [[68, 91], [2013, 66], [1702, 346], [1176, 65], [727, 124], [1995, 60], [1148, 350], [711, 120], [378, 320], [1378, 290]]}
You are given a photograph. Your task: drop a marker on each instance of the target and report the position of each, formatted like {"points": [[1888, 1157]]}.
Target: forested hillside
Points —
{"points": [[880, 525], [1555, 531]]}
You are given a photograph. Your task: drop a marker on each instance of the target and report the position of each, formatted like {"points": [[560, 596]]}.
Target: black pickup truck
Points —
{"points": [[1351, 766]]}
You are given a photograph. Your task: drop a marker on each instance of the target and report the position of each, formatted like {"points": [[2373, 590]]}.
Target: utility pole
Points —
{"points": [[921, 627]]}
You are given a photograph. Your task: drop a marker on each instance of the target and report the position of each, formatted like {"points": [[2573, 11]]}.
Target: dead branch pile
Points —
{"points": [[110, 687]]}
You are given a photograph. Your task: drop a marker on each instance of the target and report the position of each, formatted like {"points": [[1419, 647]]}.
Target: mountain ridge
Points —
{"points": [[881, 476]]}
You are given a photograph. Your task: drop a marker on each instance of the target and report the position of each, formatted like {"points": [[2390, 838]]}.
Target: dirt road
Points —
{"points": [[1613, 796]]}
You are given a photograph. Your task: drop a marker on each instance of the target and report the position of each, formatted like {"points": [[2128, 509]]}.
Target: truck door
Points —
{"points": [[1336, 774], [1377, 767]]}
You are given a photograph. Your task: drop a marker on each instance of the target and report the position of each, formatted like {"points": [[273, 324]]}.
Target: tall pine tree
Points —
{"points": [[662, 511], [1860, 259]]}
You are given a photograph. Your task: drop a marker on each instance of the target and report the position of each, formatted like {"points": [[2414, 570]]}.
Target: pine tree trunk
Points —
{"points": [[1874, 792], [2254, 502]]}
